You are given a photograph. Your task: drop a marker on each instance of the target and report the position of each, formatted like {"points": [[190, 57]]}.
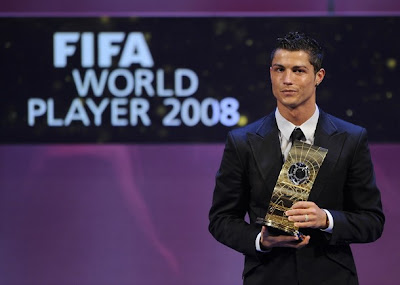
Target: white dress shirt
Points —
{"points": [[285, 130]]}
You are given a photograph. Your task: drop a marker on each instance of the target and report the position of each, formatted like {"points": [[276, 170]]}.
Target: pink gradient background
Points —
{"points": [[137, 214], [209, 7]]}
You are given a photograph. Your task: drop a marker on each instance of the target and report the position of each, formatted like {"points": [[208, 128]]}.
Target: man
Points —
{"points": [[344, 205]]}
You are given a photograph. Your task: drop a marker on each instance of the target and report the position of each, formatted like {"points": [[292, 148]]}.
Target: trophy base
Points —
{"points": [[277, 229]]}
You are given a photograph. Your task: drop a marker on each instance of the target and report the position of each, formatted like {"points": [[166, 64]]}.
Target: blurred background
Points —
{"points": [[107, 167]]}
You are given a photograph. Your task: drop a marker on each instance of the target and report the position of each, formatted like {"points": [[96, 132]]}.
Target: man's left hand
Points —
{"points": [[307, 215]]}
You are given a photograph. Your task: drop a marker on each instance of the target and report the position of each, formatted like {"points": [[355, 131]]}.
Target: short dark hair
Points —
{"points": [[295, 41]]}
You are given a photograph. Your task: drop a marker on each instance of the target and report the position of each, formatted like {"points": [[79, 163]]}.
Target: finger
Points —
{"points": [[302, 218], [291, 241], [294, 244], [305, 224], [303, 204], [282, 239], [301, 211], [304, 242], [296, 212]]}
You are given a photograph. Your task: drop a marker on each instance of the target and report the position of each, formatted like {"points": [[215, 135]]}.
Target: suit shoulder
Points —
{"points": [[242, 132], [345, 126]]}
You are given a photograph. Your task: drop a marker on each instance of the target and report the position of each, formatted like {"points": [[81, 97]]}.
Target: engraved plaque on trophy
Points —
{"points": [[294, 184]]}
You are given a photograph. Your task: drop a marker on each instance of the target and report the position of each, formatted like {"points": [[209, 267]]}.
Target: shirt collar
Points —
{"points": [[308, 127]]}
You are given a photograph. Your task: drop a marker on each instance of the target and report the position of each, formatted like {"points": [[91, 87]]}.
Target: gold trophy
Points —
{"points": [[294, 184]]}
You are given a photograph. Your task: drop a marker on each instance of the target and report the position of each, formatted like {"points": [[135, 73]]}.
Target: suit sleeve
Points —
{"points": [[362, 218], [231, 202]]}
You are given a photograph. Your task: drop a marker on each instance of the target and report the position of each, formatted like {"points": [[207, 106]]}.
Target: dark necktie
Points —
{"points": [[297, 134]]}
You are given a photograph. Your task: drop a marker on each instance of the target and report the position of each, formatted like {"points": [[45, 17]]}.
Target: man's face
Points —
{"points": [[293, 79]]}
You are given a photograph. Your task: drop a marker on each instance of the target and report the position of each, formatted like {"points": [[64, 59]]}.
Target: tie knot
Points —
{"points": [[297, 134]]}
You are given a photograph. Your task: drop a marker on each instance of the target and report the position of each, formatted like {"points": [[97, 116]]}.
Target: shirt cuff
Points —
{"points": [[329, 229], [258, 247]]}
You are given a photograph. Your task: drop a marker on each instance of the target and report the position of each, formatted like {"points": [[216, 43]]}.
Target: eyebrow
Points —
{"points": [[296, 66]]}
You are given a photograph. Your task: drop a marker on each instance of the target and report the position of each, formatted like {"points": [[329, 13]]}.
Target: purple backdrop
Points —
{"points": [[137, 214], [210, 7]]}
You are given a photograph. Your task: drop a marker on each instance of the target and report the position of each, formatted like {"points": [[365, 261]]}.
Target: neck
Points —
{"points": [[297, 116]]}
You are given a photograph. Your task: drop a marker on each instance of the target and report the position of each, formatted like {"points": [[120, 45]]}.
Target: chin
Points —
{"points": [[290, 105]]}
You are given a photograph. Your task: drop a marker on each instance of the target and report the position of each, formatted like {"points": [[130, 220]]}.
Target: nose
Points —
{"points": [[287, 77]]}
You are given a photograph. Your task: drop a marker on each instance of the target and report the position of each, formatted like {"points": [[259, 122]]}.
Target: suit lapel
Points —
{"points": [[265, 147], [326, 136], [266, 150]]}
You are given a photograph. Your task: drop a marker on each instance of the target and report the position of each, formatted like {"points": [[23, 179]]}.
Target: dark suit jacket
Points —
{"points": [[345, 186]]}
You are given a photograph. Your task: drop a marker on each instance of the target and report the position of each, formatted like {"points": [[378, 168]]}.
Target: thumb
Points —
{"points": [[264, 231]]}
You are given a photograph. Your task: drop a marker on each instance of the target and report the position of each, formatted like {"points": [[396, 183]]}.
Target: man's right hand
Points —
{"points": [[267, 242]]}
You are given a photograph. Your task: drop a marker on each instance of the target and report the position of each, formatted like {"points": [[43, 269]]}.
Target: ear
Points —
{"points": [[319, 76], [270, 70]]}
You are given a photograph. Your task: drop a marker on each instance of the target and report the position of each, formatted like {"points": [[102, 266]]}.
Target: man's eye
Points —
{"points": [[299, 71]]}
